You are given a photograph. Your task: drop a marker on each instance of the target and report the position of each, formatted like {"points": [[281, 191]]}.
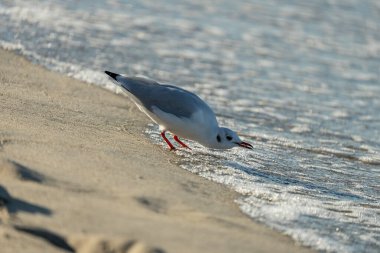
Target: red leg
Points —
{"points": [[180, 142], [171, 147]]}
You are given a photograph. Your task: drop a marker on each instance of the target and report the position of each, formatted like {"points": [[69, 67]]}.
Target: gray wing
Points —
{"points": [[167, 98]]}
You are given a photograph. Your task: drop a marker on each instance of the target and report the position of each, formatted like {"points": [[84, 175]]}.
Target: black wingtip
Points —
{"points": [[113, 75]]}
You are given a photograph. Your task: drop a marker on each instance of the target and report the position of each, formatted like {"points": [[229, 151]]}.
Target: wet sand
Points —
{"points": [[77, 174]]}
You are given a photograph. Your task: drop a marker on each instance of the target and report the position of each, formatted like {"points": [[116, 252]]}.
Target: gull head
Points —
{"points": [[226, 138]]}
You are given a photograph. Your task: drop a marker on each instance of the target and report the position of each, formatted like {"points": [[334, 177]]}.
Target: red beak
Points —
{"points": [[245, 145]]}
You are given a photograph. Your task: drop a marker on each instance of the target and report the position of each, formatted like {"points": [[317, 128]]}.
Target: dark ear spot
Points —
{"points": [[218, 138], [228, 137]]}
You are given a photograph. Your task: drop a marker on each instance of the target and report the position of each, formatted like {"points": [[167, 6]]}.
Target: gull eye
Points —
{"points": [[218, 138], [228, 137]]}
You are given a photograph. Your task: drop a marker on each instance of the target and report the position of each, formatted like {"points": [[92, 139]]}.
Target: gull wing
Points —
{"points": [[168, 98]]}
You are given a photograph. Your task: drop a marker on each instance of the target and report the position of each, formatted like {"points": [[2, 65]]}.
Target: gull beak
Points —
{"points": [[245, 145]]}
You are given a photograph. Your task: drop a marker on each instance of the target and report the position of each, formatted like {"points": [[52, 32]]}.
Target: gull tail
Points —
{"points": [[118, 79], [113, 75]]}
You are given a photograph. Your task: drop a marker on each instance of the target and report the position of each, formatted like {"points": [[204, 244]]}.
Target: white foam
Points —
{"points": [[300, 129]]}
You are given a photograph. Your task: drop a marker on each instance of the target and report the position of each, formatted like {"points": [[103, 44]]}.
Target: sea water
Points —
{"points": [[300, 80]]}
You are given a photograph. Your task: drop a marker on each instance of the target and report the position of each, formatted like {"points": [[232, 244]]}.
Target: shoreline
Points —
{"points": [[74, 162]]}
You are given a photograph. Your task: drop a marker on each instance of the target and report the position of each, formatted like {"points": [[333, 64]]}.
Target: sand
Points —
{"points": [[77, 174]]}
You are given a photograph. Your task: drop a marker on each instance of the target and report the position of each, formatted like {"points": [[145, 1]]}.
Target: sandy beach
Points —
{"points": [[77, 174]]}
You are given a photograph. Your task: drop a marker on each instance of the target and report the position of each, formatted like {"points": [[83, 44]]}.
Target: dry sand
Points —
{"points": [[78, 175]]}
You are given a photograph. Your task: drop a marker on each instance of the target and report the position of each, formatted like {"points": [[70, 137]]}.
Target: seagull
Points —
{"points": [[179, 112]]}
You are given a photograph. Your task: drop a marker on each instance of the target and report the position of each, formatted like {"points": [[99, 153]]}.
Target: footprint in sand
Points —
{"points": [[10, 206], [153, 204], [14, 170], [88, 243]]}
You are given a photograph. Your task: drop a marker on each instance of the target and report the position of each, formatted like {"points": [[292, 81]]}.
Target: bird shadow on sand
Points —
{"points": [[14, 205]]}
